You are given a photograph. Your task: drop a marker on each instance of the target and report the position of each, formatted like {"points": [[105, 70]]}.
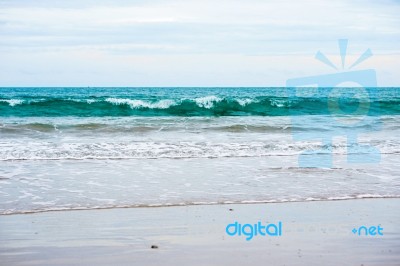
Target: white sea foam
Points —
{"points": [[97, 184], [90, 101], [79, 171], [244, 102], [12, 102], [208, 101], [280, 103], [135, 104], [183, 149]]}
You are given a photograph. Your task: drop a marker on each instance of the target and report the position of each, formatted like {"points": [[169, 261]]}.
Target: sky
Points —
{"points": [[192, 42]]}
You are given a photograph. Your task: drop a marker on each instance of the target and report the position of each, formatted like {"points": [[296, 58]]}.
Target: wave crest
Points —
{"points": [[211, 105], [136, 104]]}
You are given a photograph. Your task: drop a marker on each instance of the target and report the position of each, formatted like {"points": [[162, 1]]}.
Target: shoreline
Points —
{"points": [[197, 204], [314, 233]]}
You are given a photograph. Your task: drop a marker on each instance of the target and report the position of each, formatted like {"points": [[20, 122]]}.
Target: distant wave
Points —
{"points": [[210, 105]]}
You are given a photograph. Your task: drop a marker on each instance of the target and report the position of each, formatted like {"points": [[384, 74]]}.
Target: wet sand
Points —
{"points": [[313, 233]]}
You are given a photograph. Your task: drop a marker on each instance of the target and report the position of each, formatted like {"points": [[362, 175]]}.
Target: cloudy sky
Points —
{"points": [[191, 42]]}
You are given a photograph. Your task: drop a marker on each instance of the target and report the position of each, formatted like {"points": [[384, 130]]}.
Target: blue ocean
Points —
{"points": [[116, 102], [88, 148]]}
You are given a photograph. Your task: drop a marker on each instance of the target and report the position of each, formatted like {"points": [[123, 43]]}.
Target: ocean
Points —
{"points": [[91, 148]]}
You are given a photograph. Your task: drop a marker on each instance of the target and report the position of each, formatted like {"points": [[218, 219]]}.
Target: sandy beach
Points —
{"points": [[313, 233]]}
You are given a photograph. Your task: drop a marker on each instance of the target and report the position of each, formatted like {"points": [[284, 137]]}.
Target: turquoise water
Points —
{"points": [[91, 102], [85, 148]]}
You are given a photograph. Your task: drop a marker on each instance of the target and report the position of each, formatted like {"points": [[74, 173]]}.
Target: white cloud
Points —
{"points": [[243, 39]]}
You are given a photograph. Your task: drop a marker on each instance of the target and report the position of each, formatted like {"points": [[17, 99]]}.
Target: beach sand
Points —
{"points": [[313, 233]]}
